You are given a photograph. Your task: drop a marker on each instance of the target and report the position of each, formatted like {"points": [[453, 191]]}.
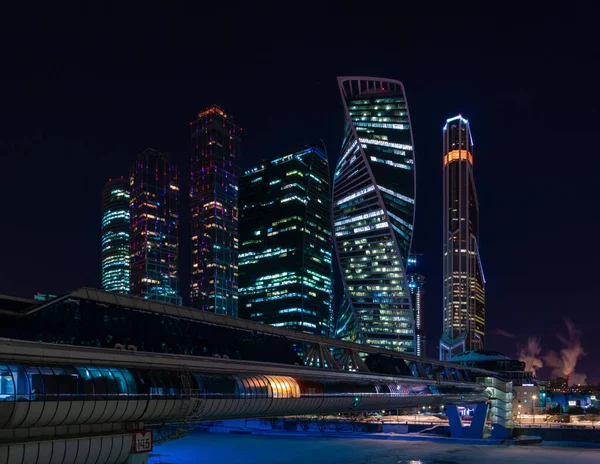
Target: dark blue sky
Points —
{"points": [[81, 98]]}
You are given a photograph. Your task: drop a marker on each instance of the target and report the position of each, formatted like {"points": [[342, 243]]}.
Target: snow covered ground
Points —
{"points": [[232, 448]]}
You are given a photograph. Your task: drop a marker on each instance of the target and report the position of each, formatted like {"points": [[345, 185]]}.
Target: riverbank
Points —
{"points": [[283, 448], [383, 430]]}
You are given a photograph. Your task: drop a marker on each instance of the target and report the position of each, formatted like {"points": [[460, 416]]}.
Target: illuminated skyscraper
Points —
{"points": [[214, 207], [286, 245], [154, 227], [115, 236], [373, 214], [416, 285], [464, 282]]}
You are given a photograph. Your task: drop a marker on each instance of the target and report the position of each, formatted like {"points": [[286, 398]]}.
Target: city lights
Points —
{"points": [[154, 243], [297, 243], [115, 236], [372, 219], [464, 281]]}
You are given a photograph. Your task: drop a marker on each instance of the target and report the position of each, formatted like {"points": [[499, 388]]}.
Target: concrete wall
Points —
{"points": [[561, 434]]}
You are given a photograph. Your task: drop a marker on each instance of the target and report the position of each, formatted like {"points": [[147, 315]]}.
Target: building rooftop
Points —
{"points": [[479, 355], [15, 304]]}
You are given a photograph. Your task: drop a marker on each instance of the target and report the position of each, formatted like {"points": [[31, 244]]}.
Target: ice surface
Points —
{"points": [[249, 449]]}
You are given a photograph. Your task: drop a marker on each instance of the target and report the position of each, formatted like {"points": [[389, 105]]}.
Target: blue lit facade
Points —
{"points": [[373, 214], [154, 227], [464, 281], [214, 173], [286, 243], [416, 286], [115, 236]]}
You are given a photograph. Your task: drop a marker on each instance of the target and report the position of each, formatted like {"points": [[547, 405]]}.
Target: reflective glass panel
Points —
{"points": [[7, 384]]}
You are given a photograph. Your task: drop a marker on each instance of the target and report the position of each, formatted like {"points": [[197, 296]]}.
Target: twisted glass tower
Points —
{"points": [[464, 282], [373, 214]]}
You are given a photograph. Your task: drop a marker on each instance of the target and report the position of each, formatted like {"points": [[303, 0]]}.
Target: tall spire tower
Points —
{"points": [[214, 210], [464, 282]]}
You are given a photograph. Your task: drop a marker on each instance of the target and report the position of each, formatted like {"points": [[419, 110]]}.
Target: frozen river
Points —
{"points": [[249, 449]]}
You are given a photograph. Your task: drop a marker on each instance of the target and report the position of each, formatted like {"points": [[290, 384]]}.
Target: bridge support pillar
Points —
{"points": [[475, 430], [500, 394]]}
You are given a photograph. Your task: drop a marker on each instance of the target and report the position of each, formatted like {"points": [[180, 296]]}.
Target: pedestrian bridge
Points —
{"points": [[55, 385], [71, 402], [80, 373]]}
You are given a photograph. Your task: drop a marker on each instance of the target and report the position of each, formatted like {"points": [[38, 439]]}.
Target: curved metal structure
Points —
{"points": [[107, 448], [46, 385], [373, 213]]}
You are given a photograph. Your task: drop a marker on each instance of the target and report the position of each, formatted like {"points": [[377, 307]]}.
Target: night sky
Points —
{"points": [[81, 98]]}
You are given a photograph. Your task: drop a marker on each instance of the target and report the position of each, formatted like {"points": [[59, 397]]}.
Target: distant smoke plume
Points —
{"points": [[530, 355], [552, 359], [577, 378], [564, 363], [504, 333], [573, 347]]}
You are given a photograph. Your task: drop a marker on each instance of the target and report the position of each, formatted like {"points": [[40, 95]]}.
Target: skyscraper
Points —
{"points": [[286, 244], [464, 282], [214, 211], [154, 227], [373, 214], [115, 236], [416, 285]]}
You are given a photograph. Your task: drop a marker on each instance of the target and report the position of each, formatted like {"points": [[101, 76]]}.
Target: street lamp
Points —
{"points": [[520, 418], [533, 407]]}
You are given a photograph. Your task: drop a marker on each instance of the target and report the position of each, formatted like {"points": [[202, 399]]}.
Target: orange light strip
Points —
{"points": [[456, 155], [212, 110]]}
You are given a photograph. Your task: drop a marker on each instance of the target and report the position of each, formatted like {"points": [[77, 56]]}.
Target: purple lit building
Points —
{"points": [[214, 212], [154, 241]]}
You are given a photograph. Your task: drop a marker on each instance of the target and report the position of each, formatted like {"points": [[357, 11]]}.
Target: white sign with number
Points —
{"points": [[142, 441]]}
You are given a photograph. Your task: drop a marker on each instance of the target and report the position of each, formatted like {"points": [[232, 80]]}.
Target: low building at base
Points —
{"points": [[529, 394]]}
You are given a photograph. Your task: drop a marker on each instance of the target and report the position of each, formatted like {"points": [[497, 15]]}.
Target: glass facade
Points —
{"points": [[133, 326], [154, 227], [214, 212], [87, 386], [286, 243], [416, 285], [69, 393], [79, 321], [25, 382], [116, 222], [373, 214], [464, 281], [63, 382]]}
